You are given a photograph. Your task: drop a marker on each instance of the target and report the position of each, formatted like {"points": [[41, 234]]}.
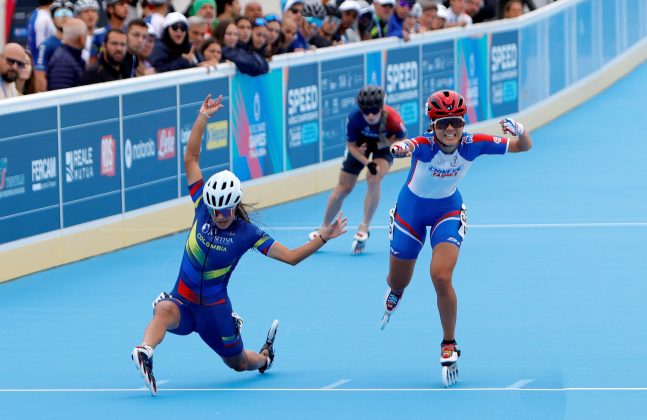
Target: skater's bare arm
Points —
{"points": [[294, 256]]}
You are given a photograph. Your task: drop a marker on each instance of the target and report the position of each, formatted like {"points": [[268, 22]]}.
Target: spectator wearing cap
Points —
{"points": [[410, 24], [197, 34], [206, 9], [40, 26], [248, 62], [12, 61], [456, 15], [111, 64], [402, 10], [381, 17], [88, 12], [347, 31], [365, 21], [117, 11], [293, 9], [253, 10], [173, 50], [61, 12], [66, 67], [145, 67], [154, 13], [327, 35]]}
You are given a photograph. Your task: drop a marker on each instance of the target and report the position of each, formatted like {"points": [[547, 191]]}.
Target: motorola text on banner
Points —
{"points": [[402, 85], [150, 147], [91, 178], [341, 79], [257, 125], [214, 156], [29, 184], [302, 115]]}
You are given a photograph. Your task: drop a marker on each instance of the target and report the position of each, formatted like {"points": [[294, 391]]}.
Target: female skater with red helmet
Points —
{"points": [[440, 158]]}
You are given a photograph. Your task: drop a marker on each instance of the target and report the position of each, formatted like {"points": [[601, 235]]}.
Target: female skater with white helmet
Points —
{"points": [[220, 235]]}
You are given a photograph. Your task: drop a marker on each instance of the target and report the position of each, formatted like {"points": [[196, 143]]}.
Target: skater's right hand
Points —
{"points": [[400, 149], [334, 229], [211, 106]]}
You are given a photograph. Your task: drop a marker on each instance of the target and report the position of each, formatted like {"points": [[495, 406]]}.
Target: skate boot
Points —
{"points": [[391, 300], [269, 346], [143, 358], [359, 242], [449, 354]]}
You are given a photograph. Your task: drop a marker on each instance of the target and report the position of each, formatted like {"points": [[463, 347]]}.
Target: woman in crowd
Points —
{"points": [[248, 62], [173, 50]]}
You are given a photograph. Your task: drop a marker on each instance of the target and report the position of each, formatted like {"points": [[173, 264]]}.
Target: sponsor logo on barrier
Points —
{"points": [[10, 185], [108, 151], [503, 57], [303, 99], [401, 76], [217, 135], [78, 165], [44, 173], [142, 150], [165, 143], [257, 106]]}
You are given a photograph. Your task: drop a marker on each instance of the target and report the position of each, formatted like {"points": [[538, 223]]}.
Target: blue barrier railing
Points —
{"points": [[84, 154]]}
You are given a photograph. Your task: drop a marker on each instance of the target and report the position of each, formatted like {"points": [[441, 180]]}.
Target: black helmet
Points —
{"points": [[370, 96]]}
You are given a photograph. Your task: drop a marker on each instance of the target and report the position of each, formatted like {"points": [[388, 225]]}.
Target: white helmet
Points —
{"points": [[222, 190]]}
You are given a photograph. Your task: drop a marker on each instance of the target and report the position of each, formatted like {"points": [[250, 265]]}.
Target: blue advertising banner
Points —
{"points": [[150, 147], [437, 72], [341, 79], [556, 53], [611, 33], [29, 184], [504, 73], [472, 75], [90, 150], [257, 124], [374, 62], [214, 155], [402, 87], [586, 56], [302, 115]]}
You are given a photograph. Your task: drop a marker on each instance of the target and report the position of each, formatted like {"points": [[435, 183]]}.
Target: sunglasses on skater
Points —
{"points": [[443, 123], [226, 212], [373, 111]]}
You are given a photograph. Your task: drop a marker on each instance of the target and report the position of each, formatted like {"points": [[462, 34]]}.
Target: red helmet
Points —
{"points": [[445, 103]]}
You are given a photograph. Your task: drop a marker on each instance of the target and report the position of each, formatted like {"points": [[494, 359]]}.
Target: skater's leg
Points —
{"points": [[166, 316], [373, 192], [443, 261], [400, 273], [345, 185]]}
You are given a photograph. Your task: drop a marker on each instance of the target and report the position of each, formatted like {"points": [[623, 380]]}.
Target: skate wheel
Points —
{"points": [[450, 375]]}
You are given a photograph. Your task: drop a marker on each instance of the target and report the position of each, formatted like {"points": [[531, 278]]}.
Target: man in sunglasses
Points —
{"points": [[12, 60], [440, 158], [369, 133]]}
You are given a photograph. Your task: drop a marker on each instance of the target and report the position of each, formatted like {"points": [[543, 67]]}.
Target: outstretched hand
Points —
{"points": [[512, 127], [336, 228], [211, 106], [400, 149]]}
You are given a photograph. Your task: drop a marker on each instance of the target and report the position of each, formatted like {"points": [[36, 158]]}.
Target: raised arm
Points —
{"points": [[523, 142], [192, 154], [295, 256]]}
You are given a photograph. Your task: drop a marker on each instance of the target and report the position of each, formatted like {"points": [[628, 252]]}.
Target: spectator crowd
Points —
{"points": [[66, 48]]}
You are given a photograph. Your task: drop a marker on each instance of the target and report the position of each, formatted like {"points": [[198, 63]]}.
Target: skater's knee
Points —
{"points": [[166, 310], [342, 190], [442, 281]]}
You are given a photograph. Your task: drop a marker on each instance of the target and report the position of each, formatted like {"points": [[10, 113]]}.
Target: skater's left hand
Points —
{"points": [[334, 229], [211, 106], [512, 127]]}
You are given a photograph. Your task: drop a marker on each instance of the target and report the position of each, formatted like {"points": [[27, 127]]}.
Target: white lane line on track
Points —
{"points": [[505, 226], [520, 384], [336, 384], [81, 390], [160, 382]]}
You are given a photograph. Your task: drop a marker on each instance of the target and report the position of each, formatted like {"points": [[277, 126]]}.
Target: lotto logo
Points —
{"points": [[108, 163], [166, 143]]}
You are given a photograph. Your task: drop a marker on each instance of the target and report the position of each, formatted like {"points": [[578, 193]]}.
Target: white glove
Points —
{"points": [[400, 149], [512, 127]]}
